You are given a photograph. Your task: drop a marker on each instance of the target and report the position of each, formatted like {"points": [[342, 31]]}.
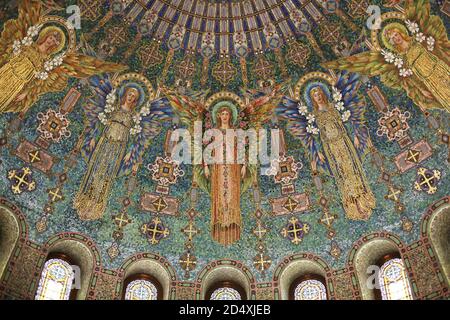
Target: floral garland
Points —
{"points": [[49, 65], [420, 37], [110, 107], [338, 104], [392, 58]]}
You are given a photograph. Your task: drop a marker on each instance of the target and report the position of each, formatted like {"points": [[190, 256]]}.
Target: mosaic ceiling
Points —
{"points": [[375, 162]]}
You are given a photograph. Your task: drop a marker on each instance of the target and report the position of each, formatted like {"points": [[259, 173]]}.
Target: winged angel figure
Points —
{"points": [[32, 61], [415, 57], [224, 180], [121, 122], [324, 126]]}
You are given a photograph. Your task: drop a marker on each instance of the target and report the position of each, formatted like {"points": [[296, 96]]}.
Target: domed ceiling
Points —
{"points": [[209, 52]]}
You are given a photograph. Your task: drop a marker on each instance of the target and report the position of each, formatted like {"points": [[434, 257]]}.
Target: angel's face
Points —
{"points": [[131, 97], [396, 37], [318, 96], [51, 42], [225, 116]]}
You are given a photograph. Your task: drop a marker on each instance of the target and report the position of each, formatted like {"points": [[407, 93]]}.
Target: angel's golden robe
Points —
{"points": [[357, 198], [225, 202], [16, 74], [103, 167], [432, 71]]}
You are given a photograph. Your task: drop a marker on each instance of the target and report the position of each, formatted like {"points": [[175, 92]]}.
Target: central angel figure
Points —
{"points": [[225, 178]]}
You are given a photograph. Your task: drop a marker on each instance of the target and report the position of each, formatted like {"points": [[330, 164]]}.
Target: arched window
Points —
{"points": [[56, 279], [393, 281], [308, 287], [226, 290], [142, 287]]}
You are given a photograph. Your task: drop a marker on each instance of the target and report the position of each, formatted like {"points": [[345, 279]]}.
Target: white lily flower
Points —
{"points": [[412, 26], [398, 62], [346, 115], [316, 131], [405, 72], [310, 117], [339, 106], [337, 96], [388, 56], [27, 41], [420, 37], [302, 109]]}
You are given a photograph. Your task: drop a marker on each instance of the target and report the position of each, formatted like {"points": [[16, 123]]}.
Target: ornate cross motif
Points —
{"points": [[34, 156], [295, 230], [55, 195], [90, 9], [260, 230], [190, 230], [21, 180], [151, 55], [413, 156], [188, 262], [155, 231], [224, 71], [121, 219], [427, 180], [262, 262]]}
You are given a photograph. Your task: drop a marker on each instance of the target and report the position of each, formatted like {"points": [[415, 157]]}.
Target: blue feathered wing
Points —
{"points": [[296, 125], [160, 110]]}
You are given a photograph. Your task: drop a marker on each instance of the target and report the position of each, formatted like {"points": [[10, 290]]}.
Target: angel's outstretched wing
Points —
{"points": [[419, 11], [186, 108], [160, 110], [30, 12], [348, 85], [297, 125], [100, 87], [261, 107], [74, 65]]}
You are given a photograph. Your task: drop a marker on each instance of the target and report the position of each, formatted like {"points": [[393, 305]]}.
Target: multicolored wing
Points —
{"points": [[296, 125], [370, 63], [419, 12], [160, 111], [187, 109], [262, 106], [100, 87], [348, 84], [30, 12], [74, 65]]}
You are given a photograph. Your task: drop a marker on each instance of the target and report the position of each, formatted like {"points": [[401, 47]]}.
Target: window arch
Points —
{"points": [[226, 290], [57, 277], [308, 287], [393, 280], [142, 287]]}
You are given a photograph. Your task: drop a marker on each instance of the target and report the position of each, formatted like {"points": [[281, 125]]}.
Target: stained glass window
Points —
{"points": [[56, 281], [394, 284], [225, 293], [310, 290], [141, 290]]}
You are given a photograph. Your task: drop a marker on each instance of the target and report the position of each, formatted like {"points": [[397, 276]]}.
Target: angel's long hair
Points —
{"points": [[311, 93]]}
